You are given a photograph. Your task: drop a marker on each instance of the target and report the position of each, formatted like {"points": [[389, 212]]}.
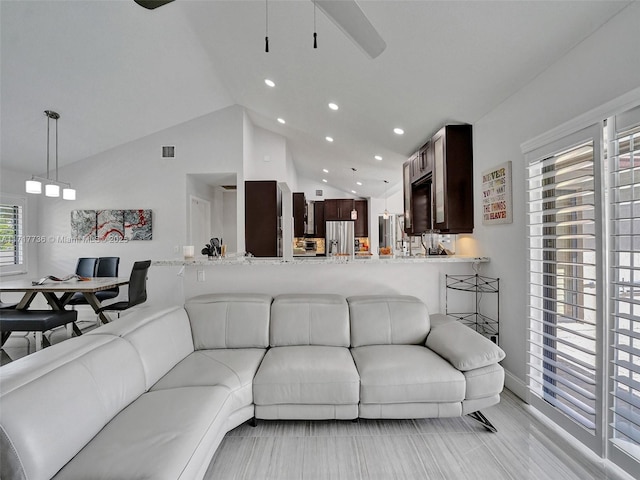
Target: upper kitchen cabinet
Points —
{"points": [[361, 227], [421, 163], [299, 214], [263, 218], [318, 219], [338, 209], [421, 207], [453, 179]]}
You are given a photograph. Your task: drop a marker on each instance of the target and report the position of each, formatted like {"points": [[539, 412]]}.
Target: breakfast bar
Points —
{"points": [[422, 277]]}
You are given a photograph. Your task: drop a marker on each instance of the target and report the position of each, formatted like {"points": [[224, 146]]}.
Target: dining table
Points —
{"points": [[58, 293]]}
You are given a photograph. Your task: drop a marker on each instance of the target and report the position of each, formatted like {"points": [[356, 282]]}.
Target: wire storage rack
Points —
{"points": [[479, 285]]}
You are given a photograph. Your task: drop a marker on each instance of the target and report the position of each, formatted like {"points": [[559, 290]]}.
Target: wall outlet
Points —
{"points": [[201, 275]]}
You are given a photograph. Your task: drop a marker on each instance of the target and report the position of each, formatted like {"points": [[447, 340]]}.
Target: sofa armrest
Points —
{"points": [[461, 346]]}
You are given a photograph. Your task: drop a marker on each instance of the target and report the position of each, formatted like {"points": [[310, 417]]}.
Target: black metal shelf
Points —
{"points": [[478, 285]]}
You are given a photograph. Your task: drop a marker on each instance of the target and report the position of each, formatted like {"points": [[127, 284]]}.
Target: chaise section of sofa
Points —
{"points": [[167, 434], [308, 373], [230, 337]]}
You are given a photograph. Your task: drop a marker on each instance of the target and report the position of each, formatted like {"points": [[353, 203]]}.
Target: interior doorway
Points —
{"points": [[199, 222]]}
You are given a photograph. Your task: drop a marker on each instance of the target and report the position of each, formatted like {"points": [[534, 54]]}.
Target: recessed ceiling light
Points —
{"points": [[324, 180], [353, 191], [358, 183], [398, 131], [270, 83], [325, 170], [333, 106], [329, 139], [378, 157], [281, 120]]}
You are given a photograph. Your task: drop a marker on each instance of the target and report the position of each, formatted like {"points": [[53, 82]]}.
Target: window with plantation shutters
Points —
{"points": [[583, 198], [11, 246], [624, 268], [563, 296]]}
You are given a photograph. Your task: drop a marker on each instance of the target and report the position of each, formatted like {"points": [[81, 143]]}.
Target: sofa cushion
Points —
{"points": [[166, 434], [388, 320], [229, 320], [463, 347], [406, 374], [311, 374], [309, 319], [56, 400], [230, 367], [161, 336]]}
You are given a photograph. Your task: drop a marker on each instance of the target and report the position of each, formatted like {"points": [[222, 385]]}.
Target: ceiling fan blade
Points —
{"points": [[349, 17], [152, 4]]}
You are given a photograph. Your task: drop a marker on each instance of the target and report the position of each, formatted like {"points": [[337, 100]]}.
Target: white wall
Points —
{"points": [[269, 158], [309, 188], [603, 67], [230, 220]]}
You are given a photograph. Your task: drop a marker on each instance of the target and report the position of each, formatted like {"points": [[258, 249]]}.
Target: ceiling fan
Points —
{"points": [[345, 14]]}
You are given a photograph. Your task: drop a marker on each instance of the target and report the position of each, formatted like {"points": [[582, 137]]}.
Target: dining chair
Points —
{"points": [[86, 266], [137, 289], [105, 267]]}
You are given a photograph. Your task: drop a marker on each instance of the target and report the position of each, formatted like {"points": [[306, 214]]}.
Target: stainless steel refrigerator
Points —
{"points": [[339, 238]]}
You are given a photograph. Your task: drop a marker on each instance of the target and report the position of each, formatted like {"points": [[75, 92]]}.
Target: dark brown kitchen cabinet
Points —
{"points": [[414, 167], [361, 226], [338, 209], [421, 163], [406, 187], [421, 207], [425, 160], [453, 179], [438, 183], [263, 218], [299, 214], [318, 219]]}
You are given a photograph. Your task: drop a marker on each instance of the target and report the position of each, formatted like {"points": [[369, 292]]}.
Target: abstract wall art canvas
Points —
{"points": [[111, 225]]}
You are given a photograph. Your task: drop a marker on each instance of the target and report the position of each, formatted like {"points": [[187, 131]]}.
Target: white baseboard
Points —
{"points": [[517, 386]]}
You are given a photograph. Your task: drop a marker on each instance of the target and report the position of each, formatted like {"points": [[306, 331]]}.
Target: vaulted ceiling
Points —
{"points": [[117, 72]]}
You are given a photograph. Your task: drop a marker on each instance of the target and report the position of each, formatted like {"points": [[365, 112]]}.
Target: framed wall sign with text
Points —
{"points": [[497, 198]]}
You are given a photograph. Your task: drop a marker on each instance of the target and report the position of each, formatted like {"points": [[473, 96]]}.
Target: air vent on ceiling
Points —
{"points": [[230, 187], [168, 151], [318, 193]]}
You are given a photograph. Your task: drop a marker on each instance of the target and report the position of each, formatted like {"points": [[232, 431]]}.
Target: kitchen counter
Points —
{"points": [[308, 260]]}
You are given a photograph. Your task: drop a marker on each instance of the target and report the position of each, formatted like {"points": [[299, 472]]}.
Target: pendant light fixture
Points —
{"points": [[52, 187], [354, 212], [315, 34], [385, 214]]}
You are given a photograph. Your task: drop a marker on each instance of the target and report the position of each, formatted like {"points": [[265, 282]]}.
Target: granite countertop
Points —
{"points": [[319, 260]]}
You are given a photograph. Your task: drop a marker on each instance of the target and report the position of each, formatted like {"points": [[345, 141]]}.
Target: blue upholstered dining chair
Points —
{"points": [[86, 266], [105, 267]]}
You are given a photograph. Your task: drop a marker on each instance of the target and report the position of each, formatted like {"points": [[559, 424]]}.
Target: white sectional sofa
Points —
{"points": [[152, 395]]}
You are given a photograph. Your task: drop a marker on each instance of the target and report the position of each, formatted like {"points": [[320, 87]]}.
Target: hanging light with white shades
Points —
{"points": [[52, 186]]}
